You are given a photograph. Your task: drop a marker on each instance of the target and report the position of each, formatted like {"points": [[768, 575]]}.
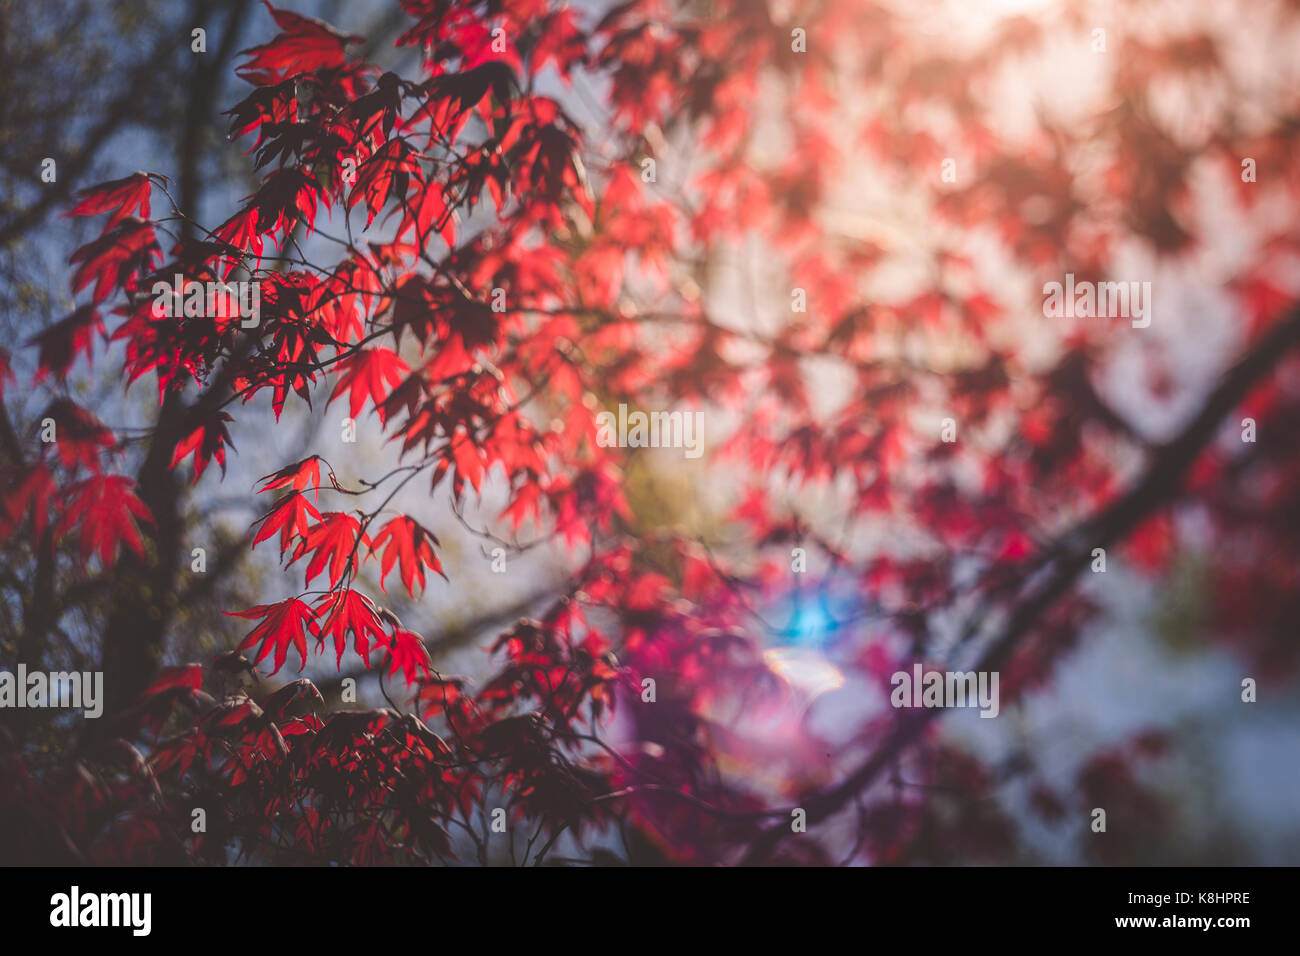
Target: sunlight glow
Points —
{"points": [[1004, 7], [804, 669]]}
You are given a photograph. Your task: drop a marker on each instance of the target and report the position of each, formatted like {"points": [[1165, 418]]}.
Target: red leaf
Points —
{"points": [[186, 675], [387, 174], [114, 259], [207, 442], [468, 87], [469, 461], [287, 196], [306, 45], [122, 196], [349, 610], [79, 435], [560, 42], [301, 475], [241, 232], [288, 516], [282, 624], [411, 544], [104, 506], [62, 341], [369, 373], [430, 213], [407, 651], [334, 540]]}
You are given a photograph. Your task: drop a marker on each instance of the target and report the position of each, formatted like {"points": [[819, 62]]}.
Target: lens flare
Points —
{"points": [[804, 669]]}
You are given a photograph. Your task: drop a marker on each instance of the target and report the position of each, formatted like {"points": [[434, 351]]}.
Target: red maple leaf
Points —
{"points": [[287, 196], [410, 544], [468, 87], [369, 373], [241, 231], [468, 458], [385, 175], [307, 44], [300, 475], [407, 651], [348, 610], [288, 516], [207, 442], [282, 624], [105, 507], [115, 258], [79, 434], [122, 196], [186, 675], [63, 341], [335, 541], [560, 42]]}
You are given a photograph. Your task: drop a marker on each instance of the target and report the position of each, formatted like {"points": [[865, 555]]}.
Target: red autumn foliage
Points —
{"points": [[510, 273]]}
